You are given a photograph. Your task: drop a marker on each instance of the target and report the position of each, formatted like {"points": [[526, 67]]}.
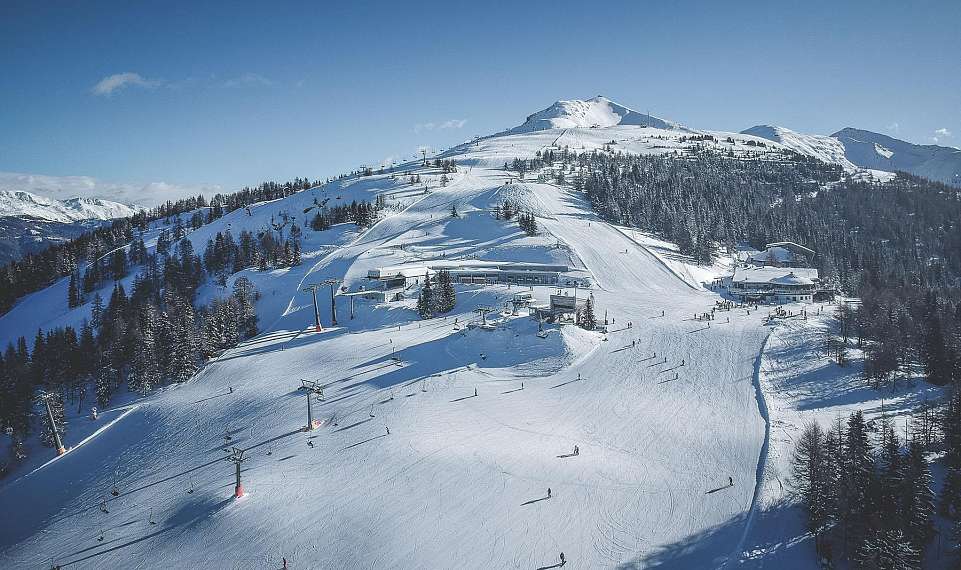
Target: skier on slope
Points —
{"points": [[563, 560], [548, 492], [730, 481]]}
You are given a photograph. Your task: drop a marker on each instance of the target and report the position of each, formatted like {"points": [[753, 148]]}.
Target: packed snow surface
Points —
{"points": [[461, 480]]}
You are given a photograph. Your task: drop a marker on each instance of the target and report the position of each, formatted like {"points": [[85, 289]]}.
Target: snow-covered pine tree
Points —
{"points": [[96, 311], [73, 292], [859, 472], [245, 294], [184, 348], [588, 319], [445, 298], [107, 379], [425, 300], [918, 497], [144, 371], [809, 478], [887, 550]]}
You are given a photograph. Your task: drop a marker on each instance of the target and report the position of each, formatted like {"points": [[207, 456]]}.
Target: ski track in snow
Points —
{"points": [[459, 482]]}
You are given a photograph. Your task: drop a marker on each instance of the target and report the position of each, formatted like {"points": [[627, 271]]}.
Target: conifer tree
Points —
{"points": [[425, 300], [144, 372], [588, 318], [445, 297]]}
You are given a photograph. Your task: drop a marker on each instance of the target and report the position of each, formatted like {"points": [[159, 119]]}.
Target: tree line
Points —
{"points": [[38, 270], [869, 494]]}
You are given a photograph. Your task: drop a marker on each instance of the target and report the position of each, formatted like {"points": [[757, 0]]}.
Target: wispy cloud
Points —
{"points": [[941, 134], [108, 85], [63, 187], [112, 84], [448, 124], [894, 127], [249, 80]]}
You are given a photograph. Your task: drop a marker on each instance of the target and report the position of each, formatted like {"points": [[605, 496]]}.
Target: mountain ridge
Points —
{"points": [[20, 203]]}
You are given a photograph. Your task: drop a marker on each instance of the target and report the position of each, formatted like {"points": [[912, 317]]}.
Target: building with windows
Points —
{"points": [[479, 272], [774, 284]]}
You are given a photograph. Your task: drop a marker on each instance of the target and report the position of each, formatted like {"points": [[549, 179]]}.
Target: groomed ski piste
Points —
{"points": [[437, 442]]}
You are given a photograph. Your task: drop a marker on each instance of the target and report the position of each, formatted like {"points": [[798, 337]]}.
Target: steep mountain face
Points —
{"points": [[598, 112], [19, 203], [874, 150], [825, 148]]}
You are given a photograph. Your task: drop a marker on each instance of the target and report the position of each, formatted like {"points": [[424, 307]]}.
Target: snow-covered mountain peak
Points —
{"points": [[597, 112], [874, 150], [823, 147], [26, 204]]}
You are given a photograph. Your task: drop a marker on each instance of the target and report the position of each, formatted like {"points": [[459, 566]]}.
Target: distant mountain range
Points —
{"points": [[20, 203], [853, 149], [29, 222]]}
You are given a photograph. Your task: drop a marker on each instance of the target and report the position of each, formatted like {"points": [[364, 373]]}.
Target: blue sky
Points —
{"points": [[233, 93]]}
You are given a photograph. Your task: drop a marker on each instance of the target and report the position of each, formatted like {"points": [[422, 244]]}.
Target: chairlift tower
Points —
{"points": [[312, 289], [311, 388], [483, 313], [237, 457], [45, 397]]}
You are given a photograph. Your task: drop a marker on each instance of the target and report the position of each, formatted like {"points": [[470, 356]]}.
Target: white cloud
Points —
{"points": [[106, 86], [940, 134], [249, 80], [448, 124], [63, 187]]}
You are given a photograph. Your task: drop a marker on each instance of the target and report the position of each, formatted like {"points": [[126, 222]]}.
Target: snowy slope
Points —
{"points": [[461, 480], [871, 153], [598, 112], [873, 150], [25, 204], [827, 149]]}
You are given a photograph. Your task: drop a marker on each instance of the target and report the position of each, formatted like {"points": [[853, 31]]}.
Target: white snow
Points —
{"points": [[827, 149], [598, 112], [461, 480], [21, 203]]}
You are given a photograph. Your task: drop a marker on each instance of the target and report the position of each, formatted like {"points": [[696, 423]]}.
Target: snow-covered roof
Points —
{"points": [[778, 254], [791, 246], [776, 275], [419, 269]]}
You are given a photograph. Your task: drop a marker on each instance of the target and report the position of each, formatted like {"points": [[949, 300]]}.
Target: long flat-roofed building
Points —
{"points": [[480, 272], [775, 284]]}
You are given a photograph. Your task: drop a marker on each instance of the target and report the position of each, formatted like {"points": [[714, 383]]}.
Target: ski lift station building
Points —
{"points": [[479, 272], [774, 284]]}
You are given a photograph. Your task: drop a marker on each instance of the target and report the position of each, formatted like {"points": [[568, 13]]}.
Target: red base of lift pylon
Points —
{"points": [[239, 491], [61, 451]]}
